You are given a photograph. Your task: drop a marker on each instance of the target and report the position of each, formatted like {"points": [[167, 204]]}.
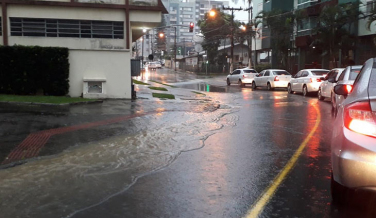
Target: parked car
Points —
{"points": [[307, 81], [241, 76], [272, 78], [347, 77], [353, 150], [326, 87]]}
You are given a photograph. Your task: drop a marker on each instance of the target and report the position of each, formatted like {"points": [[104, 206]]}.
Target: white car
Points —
{"points": [[347, 77], [272, 78], [306, 81], [154, 65], [326, 87], [241, 76]]}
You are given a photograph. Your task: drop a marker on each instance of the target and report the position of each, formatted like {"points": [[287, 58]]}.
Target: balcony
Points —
{"points": [[116, 2]]}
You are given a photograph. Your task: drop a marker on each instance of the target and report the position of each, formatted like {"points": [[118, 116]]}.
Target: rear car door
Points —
{"points": [[294, 81], [265, 78], [301, 80], [235, 76], [326, 84]]}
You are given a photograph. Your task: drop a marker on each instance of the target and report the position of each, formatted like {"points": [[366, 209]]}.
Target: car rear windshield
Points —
{"points": [[281, 73], [354, 73], [319, 72], [249, 71]]}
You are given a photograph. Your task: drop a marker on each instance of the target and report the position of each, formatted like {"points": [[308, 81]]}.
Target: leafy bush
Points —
{"points": [[24, 70], [261, 67]]}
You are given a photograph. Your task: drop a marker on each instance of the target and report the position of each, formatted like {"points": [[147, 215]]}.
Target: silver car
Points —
{"points": [[353, 145], [307, 81], [347, 77], [241, 76], [326, 87]]}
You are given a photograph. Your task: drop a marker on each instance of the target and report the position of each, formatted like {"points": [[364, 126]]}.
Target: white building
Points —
{"points": [[98, 34]]}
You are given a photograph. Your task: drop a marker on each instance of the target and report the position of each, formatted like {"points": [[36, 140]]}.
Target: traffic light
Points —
{"points": [[191, 26]]}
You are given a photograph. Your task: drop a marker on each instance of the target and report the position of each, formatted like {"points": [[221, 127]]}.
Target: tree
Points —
{"points": [[214, 29], [371, 16], [281, 26], [333, 29]]}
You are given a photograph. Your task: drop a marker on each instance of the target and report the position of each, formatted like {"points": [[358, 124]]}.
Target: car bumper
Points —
{"points": [[279, 84], [354, 164], [247, 80], [313, 86]]}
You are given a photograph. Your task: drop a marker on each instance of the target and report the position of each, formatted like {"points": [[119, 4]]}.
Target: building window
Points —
{"points": [[187, 9], [66, 28], [371, 5]]}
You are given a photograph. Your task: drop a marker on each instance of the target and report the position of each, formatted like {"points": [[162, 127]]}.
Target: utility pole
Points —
{"points": [[232, 34], [142, 52], [250, 28], [175, 48]]}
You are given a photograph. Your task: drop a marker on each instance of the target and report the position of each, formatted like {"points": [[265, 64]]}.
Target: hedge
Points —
{"points": [[26, 70]]}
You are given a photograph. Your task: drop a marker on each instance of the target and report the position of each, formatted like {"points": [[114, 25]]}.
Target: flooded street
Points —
{"points": [[213, 156]]}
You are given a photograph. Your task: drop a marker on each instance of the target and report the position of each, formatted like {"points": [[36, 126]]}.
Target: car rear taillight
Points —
{"points": [[244, 76], [276, 78], [358, 118], [349, 88], [315, 80]]}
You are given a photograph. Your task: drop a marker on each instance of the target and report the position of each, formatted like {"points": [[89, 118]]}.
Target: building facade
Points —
{"points": [[98, 35]]}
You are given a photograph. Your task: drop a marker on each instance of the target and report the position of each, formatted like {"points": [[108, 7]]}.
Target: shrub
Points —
{"points": [[261, 67], [26, 69]]}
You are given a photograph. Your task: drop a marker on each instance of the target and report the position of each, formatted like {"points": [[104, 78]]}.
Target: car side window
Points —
{"points": [[267, 73], [237, 72], [342, 76], [304, 74], [299, 74]]}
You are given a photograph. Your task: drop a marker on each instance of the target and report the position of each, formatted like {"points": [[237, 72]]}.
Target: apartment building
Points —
{"points": [[98, 35]]}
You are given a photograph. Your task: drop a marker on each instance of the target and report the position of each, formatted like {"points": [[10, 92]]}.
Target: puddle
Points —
{"points": [[204, 87]]}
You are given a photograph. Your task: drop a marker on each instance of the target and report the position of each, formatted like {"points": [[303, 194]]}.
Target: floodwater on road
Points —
{"points": [[88, 174]]}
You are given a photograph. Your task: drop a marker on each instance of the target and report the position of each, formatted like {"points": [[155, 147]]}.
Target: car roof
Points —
{"points": [[356, 66], [276, 69], [316, 69]]}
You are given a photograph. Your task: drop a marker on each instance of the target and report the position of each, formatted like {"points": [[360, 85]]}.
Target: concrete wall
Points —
{"points": [[111, 66]]}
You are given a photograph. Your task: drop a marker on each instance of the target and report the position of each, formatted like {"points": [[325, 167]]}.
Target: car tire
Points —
{"points": [[319, 96], [254, 87], [305, 91], [289, 90], [334, 105], [228, 82], [269, 87], [336, 190], [240, 83]]}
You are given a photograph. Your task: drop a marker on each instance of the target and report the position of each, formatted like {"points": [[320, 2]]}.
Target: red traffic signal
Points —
{"points": [[191, 26]]}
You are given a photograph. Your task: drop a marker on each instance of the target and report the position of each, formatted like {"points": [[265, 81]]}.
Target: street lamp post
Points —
{"points": [[250, 18], [232, 34]]}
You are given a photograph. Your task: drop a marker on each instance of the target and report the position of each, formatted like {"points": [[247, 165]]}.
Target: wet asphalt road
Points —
{"points": [[193, 164]]}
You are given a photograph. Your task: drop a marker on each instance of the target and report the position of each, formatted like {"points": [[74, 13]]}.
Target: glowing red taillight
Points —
{"points": [[276, 78], [315, 80], [349, 88], [358, 118]]}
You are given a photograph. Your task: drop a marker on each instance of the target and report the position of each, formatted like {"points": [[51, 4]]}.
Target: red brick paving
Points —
{"points": [[31, 146]]}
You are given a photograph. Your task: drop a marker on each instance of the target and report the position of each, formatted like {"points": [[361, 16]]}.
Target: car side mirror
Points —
{"points": [[332, 80], [343, 89]]}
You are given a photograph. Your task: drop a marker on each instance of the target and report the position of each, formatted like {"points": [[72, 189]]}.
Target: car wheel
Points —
{"points": [[240, 83], [305, 90], [228, 82], [269, 87], [289, 90], [319, 95], [254, 87], [334, 105]]}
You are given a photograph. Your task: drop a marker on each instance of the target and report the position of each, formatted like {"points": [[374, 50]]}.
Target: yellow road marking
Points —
{"points": [[257, 208]]}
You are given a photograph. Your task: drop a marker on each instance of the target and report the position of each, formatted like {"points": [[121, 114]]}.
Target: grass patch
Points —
{"points": [[157, 88], [163, 84], [161, 95], [199, 93], [42, 99], [139, 82]]}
